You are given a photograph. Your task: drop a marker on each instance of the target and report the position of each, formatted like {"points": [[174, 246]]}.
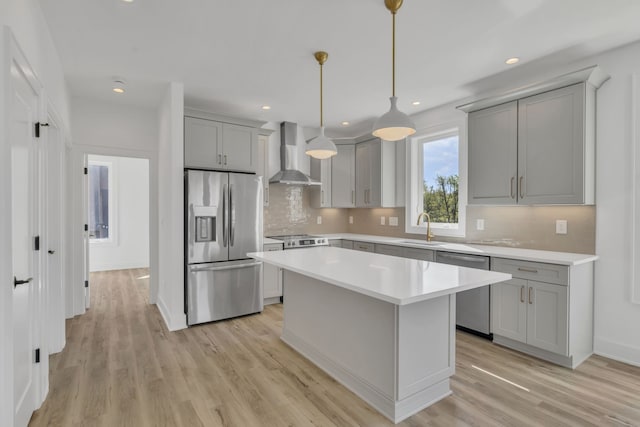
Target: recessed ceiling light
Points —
{"points": [[415, 103], [345, 123], [118, 85], [512, 61], [266, 107], [128, 1]]}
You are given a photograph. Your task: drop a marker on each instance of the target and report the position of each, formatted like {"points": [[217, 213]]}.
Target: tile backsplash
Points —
{"points": [[290, 212], [531, 227]]}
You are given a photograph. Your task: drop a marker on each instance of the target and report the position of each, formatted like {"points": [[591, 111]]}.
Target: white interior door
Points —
{"points": [[24, 101]]}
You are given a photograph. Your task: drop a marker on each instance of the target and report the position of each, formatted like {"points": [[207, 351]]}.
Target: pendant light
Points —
{"points": [[394, 125], [321, 147]]}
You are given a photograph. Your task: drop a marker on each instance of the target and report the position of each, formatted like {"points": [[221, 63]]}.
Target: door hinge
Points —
{"points": [[86, 171], [37, 355], [36, 243], [86, 283], [37, 128], [86, 227]]}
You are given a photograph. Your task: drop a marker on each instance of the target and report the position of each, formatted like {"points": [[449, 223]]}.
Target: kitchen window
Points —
{"points": [[100, 201], [436, 180]]}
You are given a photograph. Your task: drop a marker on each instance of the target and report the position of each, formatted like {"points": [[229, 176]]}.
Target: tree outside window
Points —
{"points": [[440, 176]]}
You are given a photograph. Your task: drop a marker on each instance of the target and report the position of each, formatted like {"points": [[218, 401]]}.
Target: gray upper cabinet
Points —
{"points": [[376, 174], [321, 171], [536, 150], [343, 177], [214, 145], [493, 154], [552, 147]]}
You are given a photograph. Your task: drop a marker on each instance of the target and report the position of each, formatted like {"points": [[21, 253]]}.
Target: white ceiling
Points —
{"points": [[236, 55]]}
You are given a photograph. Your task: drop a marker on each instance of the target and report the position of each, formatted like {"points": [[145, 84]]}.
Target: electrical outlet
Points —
{"points": [[319, 220], [350, 219], [561, 226], [480, 224], [393, 221], [382, 220]]}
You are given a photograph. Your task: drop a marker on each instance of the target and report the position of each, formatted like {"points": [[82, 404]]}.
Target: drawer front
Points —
{"points": [[363, 246], [272, 247], [421, 254], [548, 273], [390, 250], [336, 243]]}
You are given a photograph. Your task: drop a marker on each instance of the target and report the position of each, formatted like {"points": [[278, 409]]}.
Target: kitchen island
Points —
{"points": [[382, 326]]}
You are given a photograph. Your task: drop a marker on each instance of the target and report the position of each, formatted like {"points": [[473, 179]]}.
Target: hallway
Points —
{"points": [[121, 367]]}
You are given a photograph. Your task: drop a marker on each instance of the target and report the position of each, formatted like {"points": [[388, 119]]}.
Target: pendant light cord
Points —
{"points": [[321, 117], [393, 56]]}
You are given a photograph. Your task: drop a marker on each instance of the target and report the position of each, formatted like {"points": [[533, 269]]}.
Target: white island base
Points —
{"points": [[398, 358]]}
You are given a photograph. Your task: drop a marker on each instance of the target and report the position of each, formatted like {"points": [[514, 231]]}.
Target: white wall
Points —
{"points": [[128, 246], [171, 207], [103, 128]]}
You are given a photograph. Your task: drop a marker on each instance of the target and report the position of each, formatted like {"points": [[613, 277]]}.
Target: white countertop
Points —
{"points": [[396, 280], [549, 257]]}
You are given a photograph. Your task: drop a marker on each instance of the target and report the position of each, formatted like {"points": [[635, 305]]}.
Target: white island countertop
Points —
{"points": [[396, 280]]}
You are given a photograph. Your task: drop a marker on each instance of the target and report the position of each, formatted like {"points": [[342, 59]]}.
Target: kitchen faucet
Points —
{"points": [[421, 216]]}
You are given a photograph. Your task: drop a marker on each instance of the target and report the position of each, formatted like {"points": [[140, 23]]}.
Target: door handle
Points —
{"points": [[530, 299], [225, 159], [522, 293], [462, 258], [266, 195], [527, 270], [521, 187], [226, 267], [17, 282], [233, 215], [353, 197], [224, 215], [511, 193], [51, 252], [322, 197], [219, 159]]}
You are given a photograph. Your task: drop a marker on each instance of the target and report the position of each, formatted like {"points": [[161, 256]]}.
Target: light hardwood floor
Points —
{"points": [[121, 367]]}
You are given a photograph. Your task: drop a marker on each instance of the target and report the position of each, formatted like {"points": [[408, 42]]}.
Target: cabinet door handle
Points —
{"points": [[521, 187], [522, 293], [225, 159], [512, 193], [530, 299], [266, 195], [17, 281], [353, 197], [219, 159], [322, 197], [527, 270]]}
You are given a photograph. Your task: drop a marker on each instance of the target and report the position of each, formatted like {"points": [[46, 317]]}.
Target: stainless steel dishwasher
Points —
{"points": [[473, 312]]}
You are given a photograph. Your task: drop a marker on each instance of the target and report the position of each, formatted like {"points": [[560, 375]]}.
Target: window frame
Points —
{"points": [[414, 179], [111, 167]]}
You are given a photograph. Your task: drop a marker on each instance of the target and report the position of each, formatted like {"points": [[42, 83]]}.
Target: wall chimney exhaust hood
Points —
{"points": [[289, 172]]}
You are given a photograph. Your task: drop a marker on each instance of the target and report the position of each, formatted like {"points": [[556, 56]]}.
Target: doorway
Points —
{"points": [[118, 218]]}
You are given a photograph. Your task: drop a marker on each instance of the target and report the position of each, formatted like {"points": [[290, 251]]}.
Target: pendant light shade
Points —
{"points": [[393, 125], [321, 147]]}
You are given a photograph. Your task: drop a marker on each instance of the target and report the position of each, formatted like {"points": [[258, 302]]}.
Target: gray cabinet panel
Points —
{"points": [[343, 177], [202, 148], [493, 136], [551, 146]]}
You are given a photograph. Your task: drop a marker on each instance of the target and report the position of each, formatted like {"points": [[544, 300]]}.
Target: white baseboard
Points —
{"points": [[616, 351], [172, 324]]}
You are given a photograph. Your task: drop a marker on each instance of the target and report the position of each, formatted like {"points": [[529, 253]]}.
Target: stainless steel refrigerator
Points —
{"points": [[223, 222]]}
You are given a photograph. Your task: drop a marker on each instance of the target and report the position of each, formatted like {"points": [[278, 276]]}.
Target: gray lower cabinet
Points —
{"points": [[545, 310], [336, 243], [389, 250], [536, 150], [347, 244], [421, 254], [363, 246], [271, 277]]}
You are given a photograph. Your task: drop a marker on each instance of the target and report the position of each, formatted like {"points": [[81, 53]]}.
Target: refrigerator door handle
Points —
{"points": [[226, 267], [224, 215], [232, 213]]}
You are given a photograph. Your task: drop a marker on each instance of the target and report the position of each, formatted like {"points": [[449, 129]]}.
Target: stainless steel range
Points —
{"points": [[296, 241]]}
